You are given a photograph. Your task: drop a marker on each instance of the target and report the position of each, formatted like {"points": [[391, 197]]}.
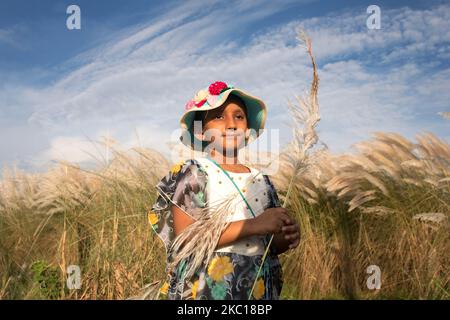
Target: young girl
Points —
{"points": [[235, 268]]}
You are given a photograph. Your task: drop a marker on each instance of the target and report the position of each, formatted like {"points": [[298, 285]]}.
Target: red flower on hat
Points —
{"points": [[217, 87]]}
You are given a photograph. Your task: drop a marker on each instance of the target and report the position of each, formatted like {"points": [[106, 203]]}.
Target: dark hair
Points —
{"points": [[200, 115]]}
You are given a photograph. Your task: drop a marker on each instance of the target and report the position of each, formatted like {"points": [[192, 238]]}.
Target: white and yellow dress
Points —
{"points": [[230, 274]]}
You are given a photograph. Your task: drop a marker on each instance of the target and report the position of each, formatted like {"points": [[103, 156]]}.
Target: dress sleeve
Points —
{"points": [[184, 186]]}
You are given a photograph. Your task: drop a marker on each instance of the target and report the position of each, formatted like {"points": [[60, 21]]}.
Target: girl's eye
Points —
{"points": [[219, 116]]}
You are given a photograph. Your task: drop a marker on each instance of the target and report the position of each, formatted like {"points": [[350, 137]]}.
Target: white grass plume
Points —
{"points": [[196, 243]]}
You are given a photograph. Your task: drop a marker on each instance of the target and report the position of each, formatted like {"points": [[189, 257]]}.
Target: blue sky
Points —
{"points": [[130, 69]]}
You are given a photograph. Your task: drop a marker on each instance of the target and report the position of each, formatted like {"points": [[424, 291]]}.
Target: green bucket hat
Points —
{"points": [[213, 97]]}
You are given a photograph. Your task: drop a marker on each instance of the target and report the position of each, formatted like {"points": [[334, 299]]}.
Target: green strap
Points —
{"points": [[226, 173]]}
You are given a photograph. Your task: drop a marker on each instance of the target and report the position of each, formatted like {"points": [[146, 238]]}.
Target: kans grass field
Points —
{"points": [[385, 204]]}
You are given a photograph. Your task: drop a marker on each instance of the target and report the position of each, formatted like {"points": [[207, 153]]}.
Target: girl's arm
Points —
{"points": [[236, 230], [270, 221]]}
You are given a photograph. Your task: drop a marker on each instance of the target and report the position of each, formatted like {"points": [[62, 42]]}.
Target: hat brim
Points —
{"points": [[256, 117]]}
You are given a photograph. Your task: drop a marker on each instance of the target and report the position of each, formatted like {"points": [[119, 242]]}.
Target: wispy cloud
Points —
{"points": [[11, 37], [371, 80]]}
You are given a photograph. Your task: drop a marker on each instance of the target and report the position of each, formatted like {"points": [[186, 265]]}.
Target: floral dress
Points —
{"points": [[231, 273]]}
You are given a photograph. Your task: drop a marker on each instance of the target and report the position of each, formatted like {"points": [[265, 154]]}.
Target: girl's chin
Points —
{"points": [[228, 144]]}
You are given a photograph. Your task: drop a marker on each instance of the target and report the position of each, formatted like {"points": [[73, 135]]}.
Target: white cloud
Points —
{"points": [[75, 149], [370, 80]]}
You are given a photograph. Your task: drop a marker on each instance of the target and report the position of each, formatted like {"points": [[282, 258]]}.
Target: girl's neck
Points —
{"points": [[229, 159]]}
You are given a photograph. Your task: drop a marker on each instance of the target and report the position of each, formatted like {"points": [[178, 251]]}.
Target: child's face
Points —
{"points": [[226, 126]]}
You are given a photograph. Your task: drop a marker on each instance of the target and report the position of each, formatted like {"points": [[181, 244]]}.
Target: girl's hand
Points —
{"points": [[292, 234], [272, 220]]}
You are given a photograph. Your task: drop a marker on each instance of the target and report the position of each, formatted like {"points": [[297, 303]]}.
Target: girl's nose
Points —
{"points": [[231, 124]]}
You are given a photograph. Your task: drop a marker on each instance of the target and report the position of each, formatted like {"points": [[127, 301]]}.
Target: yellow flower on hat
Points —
{"points": [[201, 95], [152, 218], [176, 168], [259, 289], [220, 267]]}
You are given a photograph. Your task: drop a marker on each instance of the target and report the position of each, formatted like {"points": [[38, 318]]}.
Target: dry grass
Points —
{"points": [[388, 205], [97, 220], [94, 219]]}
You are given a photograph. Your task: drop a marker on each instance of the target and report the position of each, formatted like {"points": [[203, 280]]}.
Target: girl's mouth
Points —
{"points": [[231, 135]]}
